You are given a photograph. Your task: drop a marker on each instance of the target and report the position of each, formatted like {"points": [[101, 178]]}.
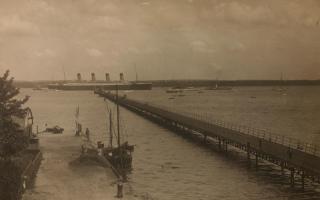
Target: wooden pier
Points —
{"points": [[299, 158]]}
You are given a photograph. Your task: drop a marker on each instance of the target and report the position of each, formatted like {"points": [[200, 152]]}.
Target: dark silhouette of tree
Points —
{"points": [[12, 139]]}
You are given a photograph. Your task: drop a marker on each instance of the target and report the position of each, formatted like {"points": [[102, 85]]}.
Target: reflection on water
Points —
{"points": [[167, 166]]}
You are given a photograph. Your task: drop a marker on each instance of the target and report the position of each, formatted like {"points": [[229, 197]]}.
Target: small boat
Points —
{"points": [[280, 89], [217, 87], [37, 88], [55, 130], [174, 90]]}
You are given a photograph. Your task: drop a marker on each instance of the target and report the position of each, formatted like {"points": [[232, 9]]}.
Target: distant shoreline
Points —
{"points": [[193, 83]]}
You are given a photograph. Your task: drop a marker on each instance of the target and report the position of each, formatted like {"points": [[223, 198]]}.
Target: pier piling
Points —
{"points": [[248, 151], [302, 179], [292, 177]]}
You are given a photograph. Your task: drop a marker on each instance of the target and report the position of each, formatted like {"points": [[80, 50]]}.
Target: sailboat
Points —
{"points": [[119, 156], [217, 87], [78, 124], [280, 88]]}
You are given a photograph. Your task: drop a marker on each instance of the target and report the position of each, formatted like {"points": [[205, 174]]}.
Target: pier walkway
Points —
{"points": [[299, 158]]}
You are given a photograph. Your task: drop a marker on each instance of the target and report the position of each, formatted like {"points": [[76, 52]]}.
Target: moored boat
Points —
{"points": [[119, 156]]}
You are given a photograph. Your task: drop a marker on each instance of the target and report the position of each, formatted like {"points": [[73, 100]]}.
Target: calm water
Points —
{"points": [[167, 166]]}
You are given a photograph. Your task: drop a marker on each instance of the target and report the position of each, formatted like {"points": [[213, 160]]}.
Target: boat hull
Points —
{"points": [[120, 86]]}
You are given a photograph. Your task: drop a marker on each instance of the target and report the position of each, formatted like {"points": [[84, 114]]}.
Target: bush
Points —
{"points": [[12, 139], [10, 181]]}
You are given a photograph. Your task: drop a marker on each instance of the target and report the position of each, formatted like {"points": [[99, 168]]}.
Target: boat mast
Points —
{"points": [[135, 69], [118, 117], [64, 74], [217, 82], [110, 128]]}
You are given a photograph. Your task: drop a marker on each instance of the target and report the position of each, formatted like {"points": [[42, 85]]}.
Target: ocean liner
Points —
{"points": [[105, 85]]}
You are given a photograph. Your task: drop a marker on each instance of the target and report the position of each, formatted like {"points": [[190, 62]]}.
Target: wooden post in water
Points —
{"points": [[282, 168], [226, 145], [248, 151], [302, 179], [257, 160], [292, 177], [219, 138], [119, 190]]}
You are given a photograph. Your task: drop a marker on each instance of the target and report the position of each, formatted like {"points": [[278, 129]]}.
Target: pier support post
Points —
{"points": [[226, 145], [302, 179], [257, 160], [292, 177], [248, 151], [282, 168], [205, 139], [219, 138]]}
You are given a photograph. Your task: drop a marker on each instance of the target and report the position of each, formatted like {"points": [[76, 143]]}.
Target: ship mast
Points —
{"points": [[135, 69], [110, 128], [118, 117], [64, 74]]}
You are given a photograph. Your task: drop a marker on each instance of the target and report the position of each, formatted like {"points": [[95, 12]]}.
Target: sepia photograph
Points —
{"points": [[159, 99]]}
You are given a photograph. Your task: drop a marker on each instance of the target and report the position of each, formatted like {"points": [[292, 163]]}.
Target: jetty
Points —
{"points": [[301, 159]]}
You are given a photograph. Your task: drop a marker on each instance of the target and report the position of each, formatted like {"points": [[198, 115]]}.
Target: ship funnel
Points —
{"points": [[107, 77], [93, 77], [121, 77], [79, 77]]}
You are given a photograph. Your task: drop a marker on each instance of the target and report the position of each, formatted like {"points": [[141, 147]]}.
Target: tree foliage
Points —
{"points": [[12, 139]]}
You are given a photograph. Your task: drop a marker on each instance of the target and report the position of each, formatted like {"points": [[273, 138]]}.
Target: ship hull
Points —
{"points": [[129, 86]]}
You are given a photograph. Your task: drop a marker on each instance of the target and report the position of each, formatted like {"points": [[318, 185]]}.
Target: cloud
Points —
{"points": [[200, 46], [14, 25], [269, 12], [107, 22], [94, 52], [242, 12], [45, 53]]}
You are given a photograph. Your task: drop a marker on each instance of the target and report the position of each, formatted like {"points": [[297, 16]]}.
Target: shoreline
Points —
{"points": [[58, 179]]}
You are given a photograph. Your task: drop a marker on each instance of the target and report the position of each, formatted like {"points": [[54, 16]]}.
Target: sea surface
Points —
{"points": [[167, 166]]}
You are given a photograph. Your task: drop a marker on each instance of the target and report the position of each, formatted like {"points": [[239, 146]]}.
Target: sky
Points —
{"points": [[160, 39]]}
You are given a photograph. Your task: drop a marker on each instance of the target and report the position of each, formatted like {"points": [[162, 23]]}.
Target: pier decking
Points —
{"points": [[300, 158]]}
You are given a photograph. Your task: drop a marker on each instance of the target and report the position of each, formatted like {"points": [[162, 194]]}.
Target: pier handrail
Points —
{"points": [[264, 134]]}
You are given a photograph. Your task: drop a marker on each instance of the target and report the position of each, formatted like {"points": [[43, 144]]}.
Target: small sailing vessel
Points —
{"points": [[37, 88], [78, 128], [119, 156], [280, 89], [217, 87]]}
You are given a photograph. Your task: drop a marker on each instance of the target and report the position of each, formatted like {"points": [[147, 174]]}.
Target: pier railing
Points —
{"points": [[290, 142]]}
